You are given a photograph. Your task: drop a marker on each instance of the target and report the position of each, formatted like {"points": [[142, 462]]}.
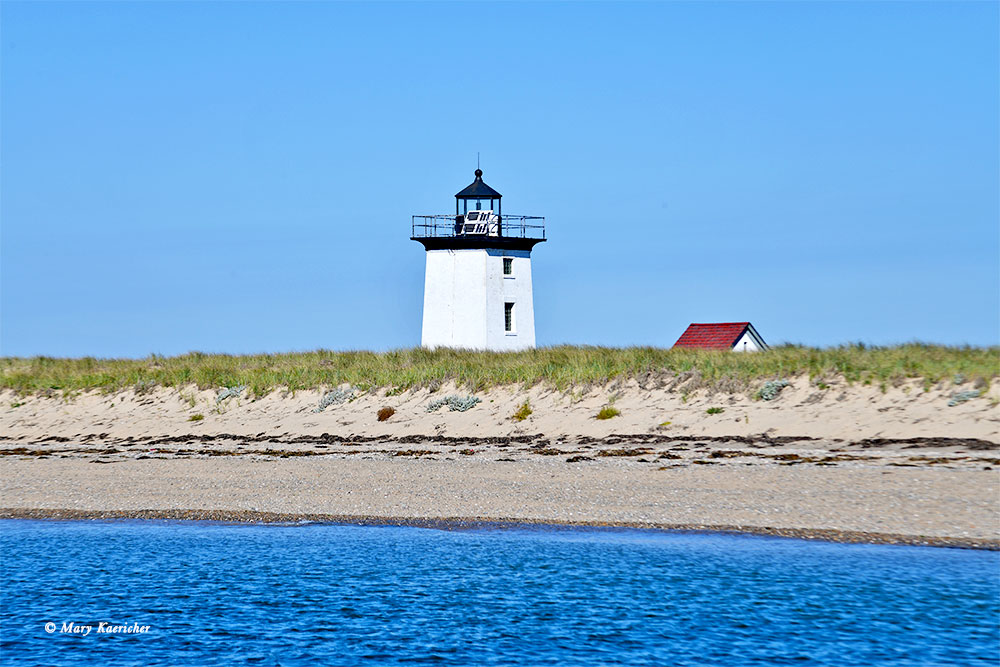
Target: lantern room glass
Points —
{"points": [[463, 206]]}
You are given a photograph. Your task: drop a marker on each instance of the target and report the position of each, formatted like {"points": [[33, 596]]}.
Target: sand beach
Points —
{"points": [[847, 461]]}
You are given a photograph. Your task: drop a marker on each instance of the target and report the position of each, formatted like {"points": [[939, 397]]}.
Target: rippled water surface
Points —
{"points": [[344, 595]]}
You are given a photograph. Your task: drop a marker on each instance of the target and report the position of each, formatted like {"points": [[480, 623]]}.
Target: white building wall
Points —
{"points": [[464, 296], [746, 343], [516, 289]]}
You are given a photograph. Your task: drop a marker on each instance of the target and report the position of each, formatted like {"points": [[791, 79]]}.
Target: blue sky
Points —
{"points": [[239, 177]]}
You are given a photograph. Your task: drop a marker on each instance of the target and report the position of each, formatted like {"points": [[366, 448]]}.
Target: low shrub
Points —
{"points": [[522, 413], [229, 392], [963, 396], [607, 412], [334, 397], [454, 403], [770, 390]]}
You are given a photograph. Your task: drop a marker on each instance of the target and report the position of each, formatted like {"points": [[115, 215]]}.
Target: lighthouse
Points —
{"points": [[477, 283]]}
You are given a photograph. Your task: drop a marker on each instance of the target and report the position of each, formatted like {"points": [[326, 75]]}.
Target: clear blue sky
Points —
{"points": [[237, 177]]}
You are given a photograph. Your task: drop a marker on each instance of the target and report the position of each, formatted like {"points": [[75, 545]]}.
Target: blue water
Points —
{"points": [[216, 594]]}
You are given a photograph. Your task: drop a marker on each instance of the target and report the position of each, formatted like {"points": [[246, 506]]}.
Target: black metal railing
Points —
{"points": [[511, 226]]}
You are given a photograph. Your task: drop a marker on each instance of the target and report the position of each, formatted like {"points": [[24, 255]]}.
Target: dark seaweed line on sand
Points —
{"points": [[466, 523], [761, 440]]}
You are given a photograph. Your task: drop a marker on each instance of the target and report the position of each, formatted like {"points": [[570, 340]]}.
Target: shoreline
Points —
{"points": [[832, 461], [473, 523], [941, 492]]}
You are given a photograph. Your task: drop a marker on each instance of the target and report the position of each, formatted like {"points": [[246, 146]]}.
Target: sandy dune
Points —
{"points": [[837, 412]]}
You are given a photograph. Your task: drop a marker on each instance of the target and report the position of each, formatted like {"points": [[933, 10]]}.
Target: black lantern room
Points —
{"points": [[472, 227], [477, 197]]}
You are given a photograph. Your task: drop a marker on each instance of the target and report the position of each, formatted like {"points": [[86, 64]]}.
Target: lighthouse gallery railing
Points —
{"points": [[511, 226]]}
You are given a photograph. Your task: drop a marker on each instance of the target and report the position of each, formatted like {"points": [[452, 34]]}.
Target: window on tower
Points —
{"points": [[508, 317], [508, 266]]}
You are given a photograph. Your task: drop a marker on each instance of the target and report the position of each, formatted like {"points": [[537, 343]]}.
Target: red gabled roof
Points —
{"points": [[721, 336]]}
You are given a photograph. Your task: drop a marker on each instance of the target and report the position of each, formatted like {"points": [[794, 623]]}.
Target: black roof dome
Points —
{"points": [[478, 189]]}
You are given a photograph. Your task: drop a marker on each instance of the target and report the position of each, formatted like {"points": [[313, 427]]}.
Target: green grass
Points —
{"points": [[523, 412], [715, 411], [559, 367], [196, 418], [607, 412]]}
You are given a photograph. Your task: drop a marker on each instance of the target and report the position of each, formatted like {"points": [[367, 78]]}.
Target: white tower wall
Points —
{"points": [[465, 292]]}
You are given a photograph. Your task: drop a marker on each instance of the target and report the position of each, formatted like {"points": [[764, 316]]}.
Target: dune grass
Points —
{"points": [[523, 412], [608, 412], [559, 367]]}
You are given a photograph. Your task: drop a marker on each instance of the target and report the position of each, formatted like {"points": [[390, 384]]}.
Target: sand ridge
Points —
{"points": [[838, 411]]}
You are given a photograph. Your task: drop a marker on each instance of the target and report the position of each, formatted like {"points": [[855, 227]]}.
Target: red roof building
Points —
{"points": [[735, 336]]}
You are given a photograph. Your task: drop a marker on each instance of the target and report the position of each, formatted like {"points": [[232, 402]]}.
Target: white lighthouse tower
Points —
{"points": [[477, 287]]}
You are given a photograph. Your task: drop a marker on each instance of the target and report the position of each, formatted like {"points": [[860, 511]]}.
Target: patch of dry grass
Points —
{"points": [[559, 367]]}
